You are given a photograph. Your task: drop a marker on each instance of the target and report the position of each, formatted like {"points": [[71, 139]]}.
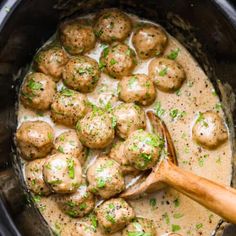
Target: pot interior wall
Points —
{"points": [[199, 25]]}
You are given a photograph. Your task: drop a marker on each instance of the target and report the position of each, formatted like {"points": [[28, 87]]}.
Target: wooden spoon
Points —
{"points": [[218, 198]]}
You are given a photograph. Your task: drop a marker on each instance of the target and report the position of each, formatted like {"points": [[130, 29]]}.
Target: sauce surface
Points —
{"points": [[170, 210]]}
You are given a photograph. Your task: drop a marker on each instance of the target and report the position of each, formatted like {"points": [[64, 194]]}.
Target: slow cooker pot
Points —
{"points": [[206, 28]]}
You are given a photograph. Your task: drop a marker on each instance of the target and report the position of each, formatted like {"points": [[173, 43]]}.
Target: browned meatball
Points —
{"points": [[137, 88], [68, 143], [77, 37], [51, 61], [105, 177], [117, 154], [149, 41], [112, 25], [34, 177], [209, 130], [129, 117], [68, 107], [114, 214], [140, 226], [77, 204], [34, 139], [143, 149], [168, 75], [62, 173], [81, 73], [118, 60], [37, 91], [96, 129]]}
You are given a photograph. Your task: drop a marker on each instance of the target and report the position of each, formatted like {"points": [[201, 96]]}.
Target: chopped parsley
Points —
{"points": [[176, 202], [139, 233], [70, 204], [132, 82], [128, 52], [34, 85], [201, 160], [36, 198], [178, 215], [82, 206], [67, 92], [101, 183], [113, 62], [158, 109], [213, 92], [113, 121], [176, 113], [178, 92], [163, 72], [60, 149], [153, 202], [98, 33], [166, 218], [111, 206], [71, 168], [101, 65], [173, 54], [111, 218], [105, 52], [175, 228], [201, 119], [55, 182], [199, 226], [218, 106]]}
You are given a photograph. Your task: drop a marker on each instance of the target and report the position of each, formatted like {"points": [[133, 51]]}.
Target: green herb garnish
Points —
{"points": [[34, 85], [158, 109], [110, 218], [101, 183], [153, 202], [163, 72], [71, 168], [113, 62], [175, 228], [173, 54], [67, 92]]}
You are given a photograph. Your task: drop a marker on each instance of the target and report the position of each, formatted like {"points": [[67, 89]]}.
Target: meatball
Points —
{"points": [[34, 139], [140, 226], [86, 226], [209, 130], [114, 214], [118, 60], [149, 41], [117, 154], [96, 130], [77, 37], [168, 75], [129, 117], [37, 91], [62, 173], [51, 61], [77, 204], [112, 25], [34, 177], [81, 73], [68, 143], [68, 107], [143, 149], [137, 88], [105, 177]]}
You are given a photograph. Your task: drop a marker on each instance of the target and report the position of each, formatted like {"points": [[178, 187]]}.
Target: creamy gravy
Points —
{"points": [[170, 210]]}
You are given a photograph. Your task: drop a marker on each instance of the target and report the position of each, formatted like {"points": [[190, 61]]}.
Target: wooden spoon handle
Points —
{"points": [[217, 198]]}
